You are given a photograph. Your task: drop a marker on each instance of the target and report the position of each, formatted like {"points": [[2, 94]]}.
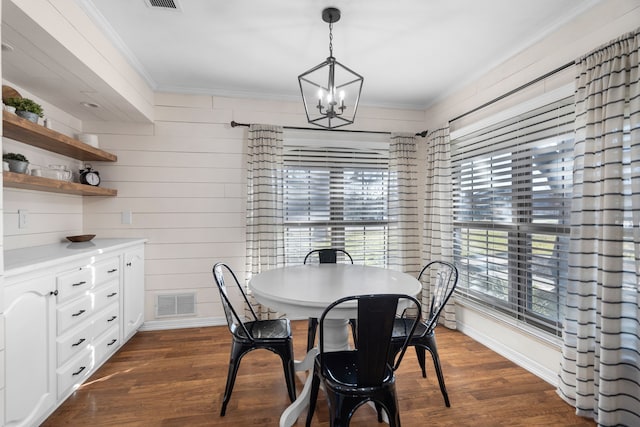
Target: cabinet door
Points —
{"points": [[30, 350], [133, 291]]}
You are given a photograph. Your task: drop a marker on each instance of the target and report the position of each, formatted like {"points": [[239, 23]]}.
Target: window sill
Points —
{"points": [[535, 333]]}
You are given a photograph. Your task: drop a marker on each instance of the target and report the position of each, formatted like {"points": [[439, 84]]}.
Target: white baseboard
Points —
{"points": [[192, 322], [500, 337]]}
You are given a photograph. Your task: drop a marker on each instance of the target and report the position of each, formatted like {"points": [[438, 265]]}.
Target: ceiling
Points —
{"points": [[411, 53]]}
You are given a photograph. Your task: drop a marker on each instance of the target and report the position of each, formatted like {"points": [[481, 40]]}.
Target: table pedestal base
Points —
{"points": [[336, 338]]}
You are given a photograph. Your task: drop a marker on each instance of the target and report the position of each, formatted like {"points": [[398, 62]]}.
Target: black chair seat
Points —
{"points": [[401, 328], [341, 369], [276, 329]]}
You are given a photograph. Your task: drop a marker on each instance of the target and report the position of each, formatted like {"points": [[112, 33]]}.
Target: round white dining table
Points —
{"points": [[304, 291]]}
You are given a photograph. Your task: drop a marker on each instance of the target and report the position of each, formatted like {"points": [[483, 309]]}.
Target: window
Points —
{"points": [[511, 201], [336, 196]]}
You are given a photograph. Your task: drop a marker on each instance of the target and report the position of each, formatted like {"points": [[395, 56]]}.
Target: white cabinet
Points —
{"points": [[133, 295], [30, 325], [68, 308]]}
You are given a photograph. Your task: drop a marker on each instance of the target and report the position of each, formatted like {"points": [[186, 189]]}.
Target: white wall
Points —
{"points": [[183, 178], [606, 21]]}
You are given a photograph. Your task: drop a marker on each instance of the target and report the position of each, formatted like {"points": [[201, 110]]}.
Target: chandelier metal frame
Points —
{"points": [[336, 87]]}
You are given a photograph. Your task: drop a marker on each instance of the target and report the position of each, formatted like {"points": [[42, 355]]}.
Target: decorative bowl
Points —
{"points": [[81, 238]]}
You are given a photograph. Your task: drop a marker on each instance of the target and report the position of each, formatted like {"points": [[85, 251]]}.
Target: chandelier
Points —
{"points": [[330, 91]]}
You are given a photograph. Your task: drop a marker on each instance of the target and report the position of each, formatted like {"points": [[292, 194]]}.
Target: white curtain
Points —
{"points": [[438, 211], [600, 367], [265, 230], [404, 244]]}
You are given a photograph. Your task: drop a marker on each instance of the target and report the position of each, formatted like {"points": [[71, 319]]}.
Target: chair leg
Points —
{"points": [[289, 371], [391, 408], [313, 397], [234, 363], [311, 333], [378, 411], [433, 349], [421, 359]]}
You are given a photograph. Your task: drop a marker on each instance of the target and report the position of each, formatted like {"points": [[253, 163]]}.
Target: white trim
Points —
{"points": [[521, 108], [101, 22], [521, 359], [198, 322]]}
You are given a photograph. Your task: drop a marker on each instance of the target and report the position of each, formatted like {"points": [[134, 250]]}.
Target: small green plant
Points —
{"points": [[24, 104], [14, 156]]}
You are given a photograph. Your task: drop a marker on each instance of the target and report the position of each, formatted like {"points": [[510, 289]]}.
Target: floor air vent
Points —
{"points": [[176, 305], [163, 4]]}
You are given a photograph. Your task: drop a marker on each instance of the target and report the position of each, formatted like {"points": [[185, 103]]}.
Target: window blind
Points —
{"points": [[336, 197], [511, 202]]}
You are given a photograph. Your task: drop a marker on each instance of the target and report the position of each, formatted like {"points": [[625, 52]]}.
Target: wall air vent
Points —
{"points": [[163, 4], [175, 305]]}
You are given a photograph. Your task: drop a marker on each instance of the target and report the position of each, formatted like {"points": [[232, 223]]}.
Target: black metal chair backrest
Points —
{"points": [[376, 315], [328, 256], [444, 277], [220, 271]]}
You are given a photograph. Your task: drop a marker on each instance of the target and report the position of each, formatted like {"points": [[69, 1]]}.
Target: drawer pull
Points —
{"points": [[82, 368], [79, 283], [112, 295], [78, 313], [53, 292], [80, 341], [128, 264], [113, 341], [112, 270], [112, 318]]}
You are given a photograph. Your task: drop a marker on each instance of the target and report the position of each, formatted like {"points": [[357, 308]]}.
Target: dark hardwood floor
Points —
{"points": [[177, 377]]}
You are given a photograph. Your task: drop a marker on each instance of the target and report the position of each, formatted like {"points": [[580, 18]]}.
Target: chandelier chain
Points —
{"points": [[331, 39]]}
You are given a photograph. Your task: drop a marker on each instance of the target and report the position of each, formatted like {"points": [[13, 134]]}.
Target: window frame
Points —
{"points": [[338, 228], [520, 234]]}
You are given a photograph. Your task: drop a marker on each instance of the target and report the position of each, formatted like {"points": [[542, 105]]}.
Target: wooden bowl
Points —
{"points": [[81, 238]]}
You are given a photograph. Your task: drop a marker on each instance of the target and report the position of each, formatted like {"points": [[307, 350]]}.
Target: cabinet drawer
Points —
{"points": [[106, 295], [73, 283], [107, 344], [74, 342], [107, 270], [106, 319], [75, 372], [74, 313]]}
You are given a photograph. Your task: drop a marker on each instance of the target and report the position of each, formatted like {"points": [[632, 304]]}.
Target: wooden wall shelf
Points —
{"points": [[28, 182], [30, 133], [33, 134]]}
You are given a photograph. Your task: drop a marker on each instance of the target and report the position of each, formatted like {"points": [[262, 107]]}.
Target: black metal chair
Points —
{"points": [[325, 256], [423, 338], [354, 377], [273, 335]]}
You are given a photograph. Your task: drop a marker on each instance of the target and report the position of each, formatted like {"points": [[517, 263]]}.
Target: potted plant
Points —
{"points": [[17, 162], [25, 108]]}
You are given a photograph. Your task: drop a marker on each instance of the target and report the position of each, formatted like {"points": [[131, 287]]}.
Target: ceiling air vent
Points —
{"points": [[163, 4]]}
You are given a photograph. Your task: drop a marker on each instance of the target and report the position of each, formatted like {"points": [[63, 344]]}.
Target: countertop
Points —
{"points": [[18, 261]]}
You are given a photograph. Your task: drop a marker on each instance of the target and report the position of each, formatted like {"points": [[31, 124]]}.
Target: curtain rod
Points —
{"points": [[511, 92], [422, 134]]}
